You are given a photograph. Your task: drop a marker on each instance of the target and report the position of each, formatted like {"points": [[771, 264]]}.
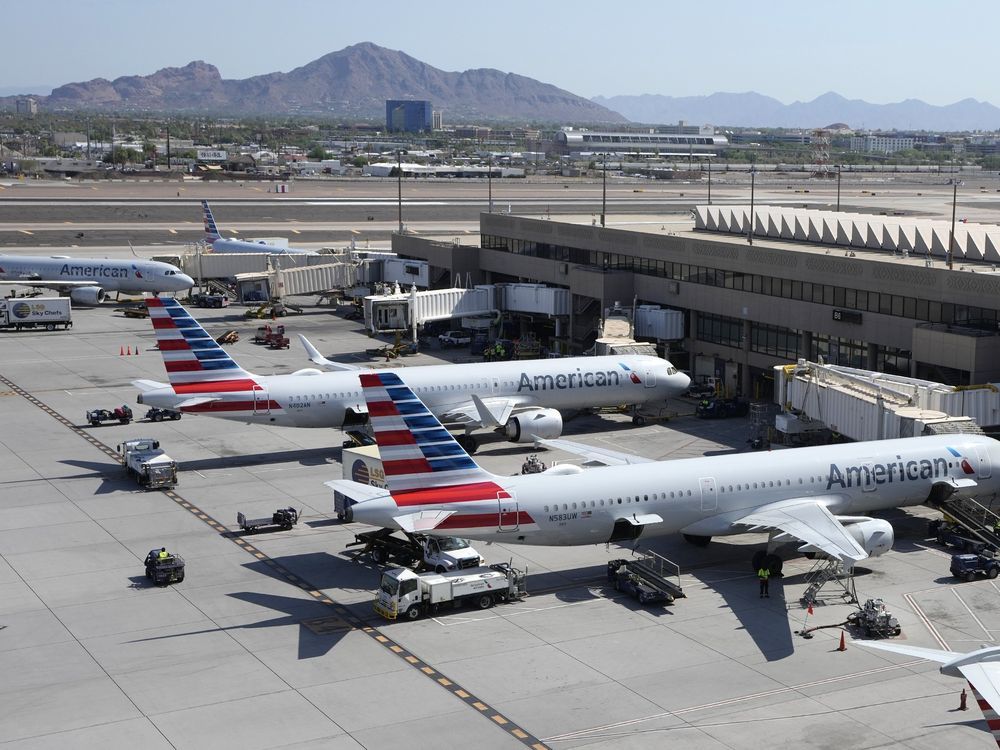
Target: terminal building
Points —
{"points": [[838, 297]]}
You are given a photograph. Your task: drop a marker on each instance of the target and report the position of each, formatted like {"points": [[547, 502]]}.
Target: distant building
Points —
{"points": [[27, 106], [473, 131], [437, 120], [408, 116], [646, 142], [882, 144]]}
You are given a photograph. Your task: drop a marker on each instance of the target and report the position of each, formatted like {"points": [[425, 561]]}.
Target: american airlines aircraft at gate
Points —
{"points": [[88, 280], [521, 398], [816, 495]]}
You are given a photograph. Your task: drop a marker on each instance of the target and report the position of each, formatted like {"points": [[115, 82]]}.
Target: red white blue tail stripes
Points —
{"points": [[190, 354], [211, 230], [417, 451], [992, 719]]}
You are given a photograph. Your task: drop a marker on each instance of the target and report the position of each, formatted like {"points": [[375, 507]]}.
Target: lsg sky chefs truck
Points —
{"points": [[36, 312]]}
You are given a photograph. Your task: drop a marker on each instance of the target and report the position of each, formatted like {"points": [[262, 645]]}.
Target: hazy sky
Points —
{"points": [[877, 50]]}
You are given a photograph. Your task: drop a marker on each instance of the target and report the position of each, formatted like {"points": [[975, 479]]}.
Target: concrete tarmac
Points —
{"points": [[271, 641]]}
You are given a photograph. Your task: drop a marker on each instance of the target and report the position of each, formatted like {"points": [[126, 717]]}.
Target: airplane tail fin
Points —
{"points": [[417, 451], [211, 230], [194, 361]]}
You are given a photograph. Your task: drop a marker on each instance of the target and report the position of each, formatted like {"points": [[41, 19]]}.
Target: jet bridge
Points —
{"points": [[816, 398]]}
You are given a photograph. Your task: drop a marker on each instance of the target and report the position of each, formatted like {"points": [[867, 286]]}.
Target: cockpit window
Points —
{"points": [[671, 370]]}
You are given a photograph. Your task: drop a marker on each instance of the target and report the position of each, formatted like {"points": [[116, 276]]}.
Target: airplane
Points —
{"points": [[88, 280], [981, 668], [815, 495], [521, 398], [219, 244]]}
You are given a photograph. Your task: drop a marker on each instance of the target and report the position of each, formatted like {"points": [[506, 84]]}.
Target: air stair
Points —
{"points": [[826, 571]]}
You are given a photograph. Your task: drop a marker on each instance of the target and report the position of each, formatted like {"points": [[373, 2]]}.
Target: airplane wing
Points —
{"points": [[319, 359], [59, 286], [808, 520], [983, 675], [594, 455], [356, 490], [485, 412]]}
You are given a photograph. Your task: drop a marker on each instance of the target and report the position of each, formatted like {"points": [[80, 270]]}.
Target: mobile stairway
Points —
{"points": [[976, 520], [654, 571]]}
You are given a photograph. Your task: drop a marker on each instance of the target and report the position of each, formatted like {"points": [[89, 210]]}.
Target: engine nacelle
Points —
{"points": [[537, 423], [87, 295], [873, 534]]}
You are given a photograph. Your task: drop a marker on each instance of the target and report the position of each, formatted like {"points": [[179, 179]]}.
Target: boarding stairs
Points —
{"points": [[826, 571]]}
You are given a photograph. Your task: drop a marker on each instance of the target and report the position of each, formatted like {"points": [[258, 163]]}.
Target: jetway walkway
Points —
{"points": [[865, 405]]}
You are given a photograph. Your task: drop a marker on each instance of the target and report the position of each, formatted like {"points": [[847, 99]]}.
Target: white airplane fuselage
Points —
{"points": [[312, 398], [699, 496], [127, 275]]}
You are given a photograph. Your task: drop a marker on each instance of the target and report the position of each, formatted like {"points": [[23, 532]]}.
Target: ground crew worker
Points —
{"points": [[763, 574], [163, 553]]}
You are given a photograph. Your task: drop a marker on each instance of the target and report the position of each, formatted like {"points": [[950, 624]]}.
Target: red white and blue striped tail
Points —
{"points": [[190, 354], [211, 230], [416, 450]]}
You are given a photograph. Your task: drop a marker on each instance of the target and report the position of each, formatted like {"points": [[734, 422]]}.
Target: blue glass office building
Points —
{"points": [[407, 116]]}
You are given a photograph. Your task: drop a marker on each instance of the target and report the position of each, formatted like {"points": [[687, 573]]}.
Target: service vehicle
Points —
{"points": [[966, 566], [405, 593], [162, 570], [122, 415], [437, 553], [454, 338], [875, 620], [284, 518], [36, 312], [156, 414], [212, 300], [144, 460], [722, 408], [646, 578], [953, 535]]}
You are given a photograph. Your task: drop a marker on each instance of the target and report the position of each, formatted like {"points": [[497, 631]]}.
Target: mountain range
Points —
{"points": [[352, 82], [756, 110], [355, 82]]}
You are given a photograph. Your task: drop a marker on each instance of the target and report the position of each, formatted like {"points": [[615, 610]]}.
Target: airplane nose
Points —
{"points": [[683, 381], [184, 281]]}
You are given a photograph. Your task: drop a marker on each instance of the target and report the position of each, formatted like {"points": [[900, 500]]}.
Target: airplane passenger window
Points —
{"points": [[771, 484], [689, 493], [800, 480], [671, 495], [565, 507], [574, 506], [730, 488], [593, 504], [546, 508], [619, 501], [646, 498], [755, 485]]}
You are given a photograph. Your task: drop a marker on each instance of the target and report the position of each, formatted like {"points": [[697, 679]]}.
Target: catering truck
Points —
{"points": [[36, 312]]}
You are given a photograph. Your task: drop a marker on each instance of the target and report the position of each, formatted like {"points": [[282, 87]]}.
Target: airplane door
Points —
{"points": [[983, 469], [709, 499], [261, 401], [868, 477], [650, 380], [508, 513]]}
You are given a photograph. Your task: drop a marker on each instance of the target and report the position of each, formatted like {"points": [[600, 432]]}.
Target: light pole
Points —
{"points": [[838, 188], [753, 175], [489, 177], [951, 237], [604, 190], [399, 186], [710, 180]]}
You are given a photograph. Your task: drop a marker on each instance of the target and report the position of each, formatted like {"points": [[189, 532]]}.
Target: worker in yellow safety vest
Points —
{"points": [[763, 574]]}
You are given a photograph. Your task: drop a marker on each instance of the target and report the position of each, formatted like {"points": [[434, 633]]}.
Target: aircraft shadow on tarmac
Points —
{"points": [[303, 457], [293, 612]]}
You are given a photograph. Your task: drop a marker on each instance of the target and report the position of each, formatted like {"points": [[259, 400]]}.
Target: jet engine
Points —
{"points": [[537, 423], [873, 534], [87, 295]]}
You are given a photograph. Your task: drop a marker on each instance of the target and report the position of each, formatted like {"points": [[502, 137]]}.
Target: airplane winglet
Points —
{"points": [[319, 359]]}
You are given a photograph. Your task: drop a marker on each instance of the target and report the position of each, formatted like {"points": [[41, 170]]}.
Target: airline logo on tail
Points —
{"points": [[191, 356], [211, 230], [416, 450]]}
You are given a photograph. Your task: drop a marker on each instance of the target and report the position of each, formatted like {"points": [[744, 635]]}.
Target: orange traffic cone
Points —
{"points": [[963, 701], [129, 352], [843, 642], [121, 351], [137, 349]]}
